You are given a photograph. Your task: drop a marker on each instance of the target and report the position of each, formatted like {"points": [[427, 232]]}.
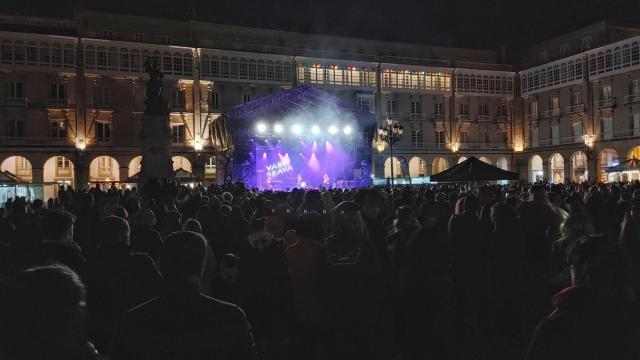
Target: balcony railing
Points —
{"points": [[393, 115], [59, 103], [464, 117], [409, 147], [532, 116], [632, 98], [607, 103], [552, 113], [620, 134], [482, 118], [502, 118], [484, 145], [575, 109], [417, 116], [99, 104], [438, 117], [14, 101], [28, 141]]}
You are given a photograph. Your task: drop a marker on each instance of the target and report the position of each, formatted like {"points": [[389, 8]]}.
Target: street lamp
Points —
{"points": [[391, 134]]}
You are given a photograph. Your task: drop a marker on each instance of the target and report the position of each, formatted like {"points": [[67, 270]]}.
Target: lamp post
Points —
{"points": [[391, 134]]}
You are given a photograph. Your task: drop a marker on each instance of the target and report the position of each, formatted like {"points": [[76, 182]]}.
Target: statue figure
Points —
{"points": [[155, 104]]}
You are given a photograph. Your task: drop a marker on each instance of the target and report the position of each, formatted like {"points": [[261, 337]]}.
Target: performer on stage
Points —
{"points": [[300, 182], [326, 181]]}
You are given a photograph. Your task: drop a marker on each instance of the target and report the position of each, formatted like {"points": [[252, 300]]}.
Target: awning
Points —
{"points": [[473, 169]]}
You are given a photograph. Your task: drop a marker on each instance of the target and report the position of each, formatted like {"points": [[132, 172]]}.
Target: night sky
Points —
{"points": [[464, 23]]}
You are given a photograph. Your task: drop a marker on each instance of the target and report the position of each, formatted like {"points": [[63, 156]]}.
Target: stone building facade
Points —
{"points": [[72, 96]]}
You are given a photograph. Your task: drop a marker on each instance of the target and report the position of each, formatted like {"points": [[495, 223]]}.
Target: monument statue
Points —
{"points": [[155, 104], [156, 131]]}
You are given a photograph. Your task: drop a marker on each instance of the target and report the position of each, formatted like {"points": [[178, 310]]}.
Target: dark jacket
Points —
{"points": [[182, 323], [118, 279], [64, 252], [583, 328]]}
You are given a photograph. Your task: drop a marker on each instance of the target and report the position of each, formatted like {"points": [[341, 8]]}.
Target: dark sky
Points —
{"points": [[464, 23]]}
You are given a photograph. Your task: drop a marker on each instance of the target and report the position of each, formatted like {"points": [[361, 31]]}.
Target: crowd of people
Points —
{"points": [[522, 271]]}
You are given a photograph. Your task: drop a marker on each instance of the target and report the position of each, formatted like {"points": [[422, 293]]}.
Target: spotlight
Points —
{"points": [[278, 128], [296, 129], [333, 130], [315, 129], [347, 130], [261, 127]]}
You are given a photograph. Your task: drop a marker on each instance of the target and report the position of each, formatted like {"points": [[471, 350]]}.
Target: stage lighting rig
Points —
{"points": [[296, 129], [261, 128]]}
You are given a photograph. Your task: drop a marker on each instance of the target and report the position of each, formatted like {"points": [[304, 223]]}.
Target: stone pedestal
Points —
{"points": [[156, 153]]}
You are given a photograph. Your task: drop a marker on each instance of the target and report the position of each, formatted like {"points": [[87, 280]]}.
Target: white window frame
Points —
{"points": [[440, 138], [417, 139], [103, 131], [607, 128], [535, 137], [178, 133]]}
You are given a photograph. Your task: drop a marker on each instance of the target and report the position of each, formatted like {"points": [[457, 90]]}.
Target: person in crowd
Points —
{"points": [[506, 268], [118, 279], [172, 222], [182, 323], [42, 316], [303, 255], [630, 243], [144, 237], [57, 241], [210, 266], [595, 317], [573, 228], [228, 285], [350, 290], [468, 268], [540, 225], [264, 269]]}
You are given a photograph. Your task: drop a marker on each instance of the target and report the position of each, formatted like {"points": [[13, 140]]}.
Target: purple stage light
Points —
{"points": [[314, 147], [328, 147], [314, 164]]}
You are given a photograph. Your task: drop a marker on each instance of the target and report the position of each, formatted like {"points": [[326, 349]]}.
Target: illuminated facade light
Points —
{"points": [[81, 144], [455, 147], [589, 140], [198, 145]]}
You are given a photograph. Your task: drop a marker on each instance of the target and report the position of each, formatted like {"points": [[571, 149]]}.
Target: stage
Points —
{"points": [[281, 165], [301, 138]]}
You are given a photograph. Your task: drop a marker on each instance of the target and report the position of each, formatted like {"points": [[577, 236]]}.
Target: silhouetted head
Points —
{"points": [[596, 263], [182, 256], [42, 315], [577, 225], [348, 225], [192, 225], [371, 201], [57, 225], [114, 230], [310, 225], [146, 217]]}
